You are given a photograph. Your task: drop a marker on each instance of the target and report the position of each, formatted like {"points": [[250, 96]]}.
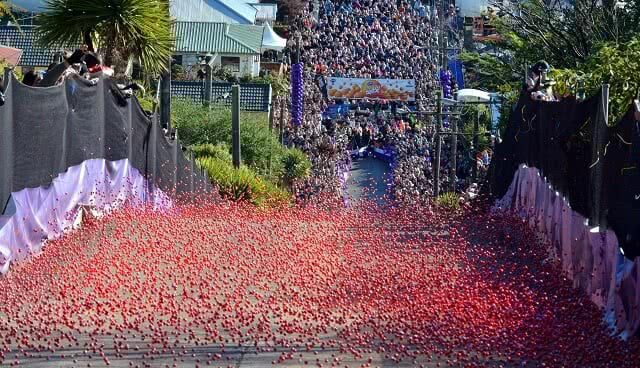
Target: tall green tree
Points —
{"points": [[568, 33], [565, 34], [595, 41], [117, 29]]}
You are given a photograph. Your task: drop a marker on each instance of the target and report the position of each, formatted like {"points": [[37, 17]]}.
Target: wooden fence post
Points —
{"points": [[235, 125]]}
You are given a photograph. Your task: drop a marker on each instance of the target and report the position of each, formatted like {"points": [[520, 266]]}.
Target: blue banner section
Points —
{"points": [[455, 66]]}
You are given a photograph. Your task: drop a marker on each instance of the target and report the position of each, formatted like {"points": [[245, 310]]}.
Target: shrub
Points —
{"points": [[198, 125], [448, 201], [146, 102], [242, 184], [223, 73], [295, 165], [470, 116], [614, 64], [5, 64], [220, 151], [177, 72], [279, 84]]}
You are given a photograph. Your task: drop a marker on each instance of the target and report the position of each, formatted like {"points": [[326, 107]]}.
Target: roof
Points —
{"points": [[24, 39], [218, 37], [212, 11], [271, 41], [10, 55], [244, 10]]}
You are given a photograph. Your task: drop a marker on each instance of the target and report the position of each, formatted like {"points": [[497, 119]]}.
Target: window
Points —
{"points": [[231, 62]]}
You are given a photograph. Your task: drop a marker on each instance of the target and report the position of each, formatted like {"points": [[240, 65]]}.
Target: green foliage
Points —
{"points": [[5, 8], [4, 64], [199, 125], [6, 11], [470, 116], [296, 165], [509, 101], [565, 34], [587, 41], [145, 96], [146, 102], [177, 72], [491, 72], [279, 84], [449, 201], [222, 73], [617, 65], [221, 151], [119, 28], [208, 133], [243, 184]]}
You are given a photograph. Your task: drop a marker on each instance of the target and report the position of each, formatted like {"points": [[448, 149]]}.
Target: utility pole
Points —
{"points": [[235, 125], [208, 80], [165, 98], [454, 153], [283, 102], [272, 113], [436, 173], [474, 150]]}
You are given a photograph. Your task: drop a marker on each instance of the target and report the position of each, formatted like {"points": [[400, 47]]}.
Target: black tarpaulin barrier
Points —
{"points": [[593, 165], [622, 176], [44, 131]]}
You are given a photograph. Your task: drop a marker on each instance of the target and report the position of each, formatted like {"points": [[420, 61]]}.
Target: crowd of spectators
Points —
{"points": [[389, 39], [375, 39]]}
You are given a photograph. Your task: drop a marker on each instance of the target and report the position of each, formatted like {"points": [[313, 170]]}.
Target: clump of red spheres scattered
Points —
{"points": [[225, 284]]}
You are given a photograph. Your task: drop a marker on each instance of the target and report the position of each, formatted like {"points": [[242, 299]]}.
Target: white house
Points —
{"points": [[234, 46]]}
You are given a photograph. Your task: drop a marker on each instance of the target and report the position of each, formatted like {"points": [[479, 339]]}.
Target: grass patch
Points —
{"points": [[449, 201]]}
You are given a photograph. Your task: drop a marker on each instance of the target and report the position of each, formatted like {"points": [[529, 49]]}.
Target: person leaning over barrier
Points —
{"points": [[30, 78], [55, 73], [84, 66]]}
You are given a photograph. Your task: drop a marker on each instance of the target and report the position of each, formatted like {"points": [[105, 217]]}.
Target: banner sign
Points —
{"points": [[373, 89]]}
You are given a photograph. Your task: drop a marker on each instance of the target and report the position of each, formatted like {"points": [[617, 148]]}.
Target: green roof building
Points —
{"points": [[234, 46]]}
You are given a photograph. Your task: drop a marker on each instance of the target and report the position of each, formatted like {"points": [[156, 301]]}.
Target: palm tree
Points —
{"points": [[117, 29], [5, 9]]}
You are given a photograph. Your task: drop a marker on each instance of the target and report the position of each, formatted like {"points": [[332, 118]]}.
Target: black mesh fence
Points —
{"points": [[253, 96], [44, 131], [596, 167]]}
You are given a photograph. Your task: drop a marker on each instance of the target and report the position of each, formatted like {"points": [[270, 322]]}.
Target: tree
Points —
{"points": [[615, 64], [6, 10], [294, 7], [117, 29], [590, 40], [568, 33]]}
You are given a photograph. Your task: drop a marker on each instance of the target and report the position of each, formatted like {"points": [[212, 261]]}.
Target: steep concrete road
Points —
{"points": [[368, 180]]}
